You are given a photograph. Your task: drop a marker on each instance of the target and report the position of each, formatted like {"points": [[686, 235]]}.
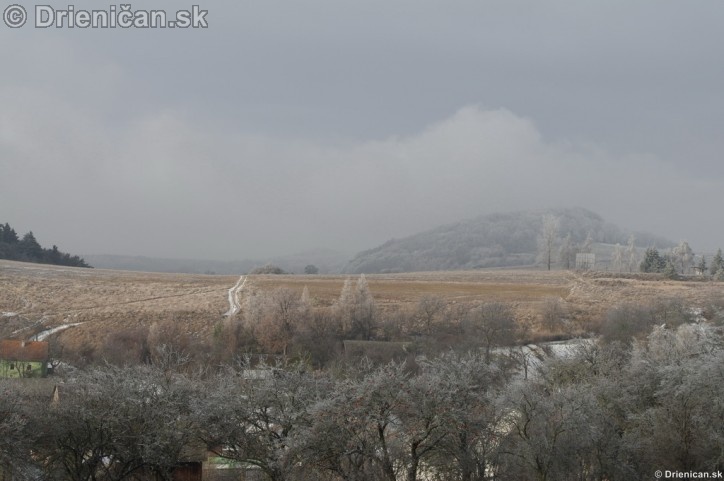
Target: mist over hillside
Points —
{"points": [[496, 240]]}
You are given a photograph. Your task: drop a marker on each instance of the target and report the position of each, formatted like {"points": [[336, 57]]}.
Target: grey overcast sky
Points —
{"points": [[291, 125]]}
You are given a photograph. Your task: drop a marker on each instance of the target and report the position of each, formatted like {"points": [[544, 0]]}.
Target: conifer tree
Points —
{"points": [[8, 234], [30, 247], [653, 262]]}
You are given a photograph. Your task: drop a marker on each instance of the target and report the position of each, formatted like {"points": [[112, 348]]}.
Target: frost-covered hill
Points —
{"points": [[496, 240]]}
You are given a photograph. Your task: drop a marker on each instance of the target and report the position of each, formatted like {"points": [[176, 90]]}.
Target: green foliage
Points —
{"points": [[311, 269]]}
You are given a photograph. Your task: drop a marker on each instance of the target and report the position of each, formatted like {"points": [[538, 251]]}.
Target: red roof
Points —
{"points": [[12, 350]]}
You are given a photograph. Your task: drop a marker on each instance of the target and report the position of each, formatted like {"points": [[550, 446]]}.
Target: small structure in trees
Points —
{"points": [[585, 262], [699, 270], [23, 358]]}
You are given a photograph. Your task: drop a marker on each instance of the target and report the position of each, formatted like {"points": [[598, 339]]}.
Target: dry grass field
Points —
{"points": [[35, 297]]}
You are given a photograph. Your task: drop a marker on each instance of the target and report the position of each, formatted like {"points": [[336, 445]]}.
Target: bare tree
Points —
{"points": [[365, 309], [254, 419], [618, 258], [552, 434], [587, 246], [494, 324], [356, 433], [429, 308], [632, 255], [567, 252], [547, 240], [466, 387], [278, 323], [423, 415], [15, 437], [113, 423], [552, 313]]}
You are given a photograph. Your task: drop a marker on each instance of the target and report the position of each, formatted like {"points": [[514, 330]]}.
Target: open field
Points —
{"points": [[393, 289], [34, 298]]}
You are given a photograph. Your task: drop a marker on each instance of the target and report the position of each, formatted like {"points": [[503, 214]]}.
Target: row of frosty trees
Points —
{"points": [[282, 323], [680, 260], [610, 411]]}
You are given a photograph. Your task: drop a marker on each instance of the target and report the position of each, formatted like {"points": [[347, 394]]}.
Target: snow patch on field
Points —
{"points": [[41, 336]]}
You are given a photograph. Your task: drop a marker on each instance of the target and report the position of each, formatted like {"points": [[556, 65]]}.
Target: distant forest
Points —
{"points": [[28, 249]]}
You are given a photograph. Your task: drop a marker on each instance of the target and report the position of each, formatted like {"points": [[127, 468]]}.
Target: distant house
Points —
{"points": [[23, 358]]}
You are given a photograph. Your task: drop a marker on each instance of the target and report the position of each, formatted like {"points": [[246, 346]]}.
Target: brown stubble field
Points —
{"points": [[47, 296], [104, 301]]}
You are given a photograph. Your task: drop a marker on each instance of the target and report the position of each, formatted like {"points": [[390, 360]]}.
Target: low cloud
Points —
{"points": [[164, 185]]}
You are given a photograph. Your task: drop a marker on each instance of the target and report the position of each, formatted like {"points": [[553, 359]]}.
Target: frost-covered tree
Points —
{"points": [[15, 438], [493, 324], [550, 433], [683, 257], [278, 320], [305, 300], [255, 419], [587, 247], [567, 252], [115, 424], [716, 263], [428, 311], [679, 377], [547, 240], [356, 309], [632, 255], [365, 309], [617, 260], [702, 265]]}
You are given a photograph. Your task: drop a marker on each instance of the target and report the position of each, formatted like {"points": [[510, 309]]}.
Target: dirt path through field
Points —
{"points": [[234, 304]]}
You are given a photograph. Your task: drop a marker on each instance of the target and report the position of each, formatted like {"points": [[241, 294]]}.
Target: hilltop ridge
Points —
{"points": [[494, 240]]}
